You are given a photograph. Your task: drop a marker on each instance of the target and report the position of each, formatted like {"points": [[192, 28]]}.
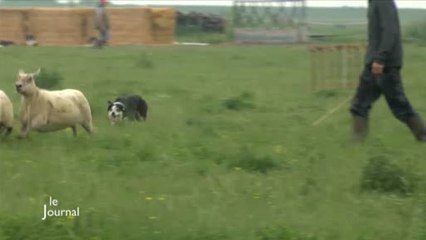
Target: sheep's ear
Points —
{"points": [[21, 72], [36, 73]]}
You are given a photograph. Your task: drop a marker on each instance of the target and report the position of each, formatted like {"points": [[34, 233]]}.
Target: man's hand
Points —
{"points": [[377, 68]]}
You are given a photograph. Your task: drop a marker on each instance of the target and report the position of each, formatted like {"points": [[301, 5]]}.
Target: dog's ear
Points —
{"points": [[122, 107], [109, 105]]}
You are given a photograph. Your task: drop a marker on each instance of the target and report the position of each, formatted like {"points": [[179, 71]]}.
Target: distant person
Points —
{"points": [[102, 24], [382, 72]]}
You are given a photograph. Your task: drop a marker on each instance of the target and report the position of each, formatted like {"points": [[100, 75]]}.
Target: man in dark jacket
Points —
{"points": [[381, 74]]}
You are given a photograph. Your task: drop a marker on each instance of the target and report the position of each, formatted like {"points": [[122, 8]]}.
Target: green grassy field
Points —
{"points": [[228, 151]]}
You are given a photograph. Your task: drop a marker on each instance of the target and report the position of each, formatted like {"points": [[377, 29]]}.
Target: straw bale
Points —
{"points": [[129, 26], [13, 25], [163, 13], [88, 24], [75, 26], [163, 25], [57, 26], [163, 18], [163, 38]]}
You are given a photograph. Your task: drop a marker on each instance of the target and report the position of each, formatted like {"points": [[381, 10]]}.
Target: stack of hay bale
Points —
{"points": [[57, 26], [12, 25], [76, 26], [163, 25], [88, 30], [130, 26]]}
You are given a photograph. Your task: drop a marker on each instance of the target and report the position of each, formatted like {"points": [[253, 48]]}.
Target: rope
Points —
{"points": [[331, 111]]}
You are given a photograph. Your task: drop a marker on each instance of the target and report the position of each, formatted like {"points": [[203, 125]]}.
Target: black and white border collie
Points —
{"points": [[132, 107]]}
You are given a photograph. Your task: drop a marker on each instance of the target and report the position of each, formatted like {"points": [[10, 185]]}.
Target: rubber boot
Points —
{"points": [[417, 127], [359, 128]]}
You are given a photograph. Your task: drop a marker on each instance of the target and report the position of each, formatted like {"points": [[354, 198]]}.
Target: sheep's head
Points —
{"points": [[25, 82]]}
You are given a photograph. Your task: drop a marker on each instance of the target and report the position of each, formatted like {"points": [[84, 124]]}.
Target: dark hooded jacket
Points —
{"points": [[384, 34]]}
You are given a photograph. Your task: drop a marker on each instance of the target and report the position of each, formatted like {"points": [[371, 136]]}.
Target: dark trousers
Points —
{"points": [[389, 84], [103, 37]]}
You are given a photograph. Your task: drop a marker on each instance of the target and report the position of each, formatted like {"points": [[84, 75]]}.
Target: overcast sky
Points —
{"points": [[312, 3]]}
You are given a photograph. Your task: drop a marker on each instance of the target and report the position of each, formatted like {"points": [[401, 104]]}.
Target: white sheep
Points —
{"points": [[6, 115], [45, 111]]}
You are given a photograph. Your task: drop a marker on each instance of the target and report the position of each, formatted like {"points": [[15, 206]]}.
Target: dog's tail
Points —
{"points": [[143, 109]]}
